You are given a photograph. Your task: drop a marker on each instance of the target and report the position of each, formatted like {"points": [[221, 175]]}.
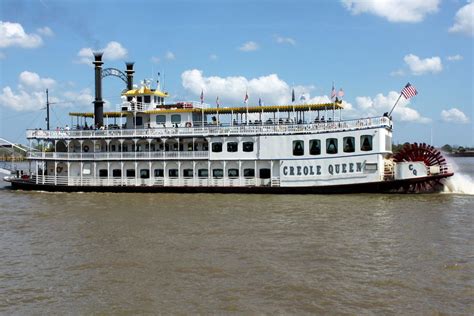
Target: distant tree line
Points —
{"points": [[446, 148]]}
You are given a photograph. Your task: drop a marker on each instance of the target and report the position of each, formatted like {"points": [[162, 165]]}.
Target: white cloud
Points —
{"points": [[86, 56], [398, 72], [421, 66], [285, 40], [455, 58], [45, 31], [31, 80], [22, 101], [410, 11], [454, 115], [30, 94], [112, 51], [249, 46], [170, 56], [213, 57], [376, 106], [155, 59], [231, 90], [463, 21], [13, 34], [83, 98], [115, 51]]}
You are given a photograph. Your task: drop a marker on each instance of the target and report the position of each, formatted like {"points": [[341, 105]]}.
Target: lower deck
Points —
{"points": [[429, 183]]}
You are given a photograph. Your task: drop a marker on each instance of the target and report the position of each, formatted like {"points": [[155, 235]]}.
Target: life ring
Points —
{"points": [[86, 148], [59, 169], [188, 124]]}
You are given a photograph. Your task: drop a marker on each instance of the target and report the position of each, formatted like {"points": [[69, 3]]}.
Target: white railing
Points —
{"points": [[214, 130], [172, 182], [153, 155]]}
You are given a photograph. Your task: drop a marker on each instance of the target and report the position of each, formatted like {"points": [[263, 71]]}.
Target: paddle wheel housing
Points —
{"points": [[423, 162]]}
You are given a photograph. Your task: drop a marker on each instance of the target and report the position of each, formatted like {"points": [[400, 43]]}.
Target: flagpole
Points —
{"points": [[393, 108]]}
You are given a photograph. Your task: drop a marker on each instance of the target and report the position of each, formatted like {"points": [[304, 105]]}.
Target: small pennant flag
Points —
{"points": [[303, 98], [409, 91], [217, 101], [293, 95], [259, 101], [246, 99], [202, 96], [340, 94]]}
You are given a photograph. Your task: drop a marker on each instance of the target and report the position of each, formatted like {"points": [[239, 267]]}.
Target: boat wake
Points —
{"points": [[459, 183]]}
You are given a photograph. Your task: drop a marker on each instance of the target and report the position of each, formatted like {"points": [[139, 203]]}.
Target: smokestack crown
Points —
{"points": [[98, 58], [129, 66]]}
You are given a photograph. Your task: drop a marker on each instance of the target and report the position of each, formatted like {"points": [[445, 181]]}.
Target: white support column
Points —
{"points": [[164, 149], [67, 146], [149, 174], [82, 150], [45, 166], [271, 171], [81, 165], [107, 144], [194, 171], [209, 173], [55, 172], [224, 173], [36, 171], [135, 141], [149, 150], [241, 173], [122, 174], [256, 172], [136, 170], [165, 176], [108, 172], [94, 175], [68, 173]]}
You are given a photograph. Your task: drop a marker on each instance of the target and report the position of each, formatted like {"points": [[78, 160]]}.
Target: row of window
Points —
{"points": [[232, 147], [187, 173], [167, 147], [146, 99], [348, 145], [161, 119]]}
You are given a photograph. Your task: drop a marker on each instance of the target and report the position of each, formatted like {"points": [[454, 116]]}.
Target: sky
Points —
{"points": [[226, 48]]}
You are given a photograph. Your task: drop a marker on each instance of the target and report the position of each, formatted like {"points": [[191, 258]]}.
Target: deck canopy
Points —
{"points": [[145, 91], [227, 110]]}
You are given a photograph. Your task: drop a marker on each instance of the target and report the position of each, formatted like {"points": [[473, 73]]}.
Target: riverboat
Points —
{"points": [[152, 146]]}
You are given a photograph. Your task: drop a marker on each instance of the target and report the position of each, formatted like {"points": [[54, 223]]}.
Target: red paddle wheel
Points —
{"points": [[431, 157]]}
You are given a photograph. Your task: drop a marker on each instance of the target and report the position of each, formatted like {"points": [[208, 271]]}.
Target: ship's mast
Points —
{"points": [[47, 110]]}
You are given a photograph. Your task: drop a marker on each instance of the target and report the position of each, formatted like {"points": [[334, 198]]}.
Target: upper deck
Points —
{"points": [[217, 130]]}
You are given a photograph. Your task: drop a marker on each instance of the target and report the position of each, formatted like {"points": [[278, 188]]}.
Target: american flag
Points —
{"points": [[293, 95], [246, 99], [260, 101], [333, 92], [202, 96], [409, 91], [217, 101]]}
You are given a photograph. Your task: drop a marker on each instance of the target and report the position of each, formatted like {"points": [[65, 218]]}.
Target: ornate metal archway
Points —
{"points": [[114, 72]]}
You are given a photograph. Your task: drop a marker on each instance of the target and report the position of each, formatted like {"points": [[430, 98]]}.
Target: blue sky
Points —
{"points": [[371, 49]]}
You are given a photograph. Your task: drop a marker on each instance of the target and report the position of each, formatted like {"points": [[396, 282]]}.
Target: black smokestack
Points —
{"points": [[130, 73], [98, 103]]}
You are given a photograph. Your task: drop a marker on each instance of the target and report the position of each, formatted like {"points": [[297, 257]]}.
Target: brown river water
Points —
{"points": [[365, 254]]}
